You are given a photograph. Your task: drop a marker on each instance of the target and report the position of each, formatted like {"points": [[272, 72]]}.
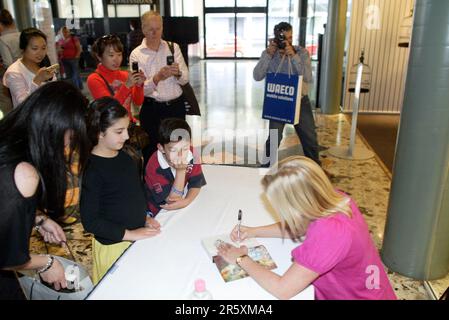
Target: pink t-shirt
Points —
{"points": [[342, 252]]}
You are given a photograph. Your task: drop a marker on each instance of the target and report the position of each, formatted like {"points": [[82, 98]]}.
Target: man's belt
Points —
{"points": [[167, 103]]}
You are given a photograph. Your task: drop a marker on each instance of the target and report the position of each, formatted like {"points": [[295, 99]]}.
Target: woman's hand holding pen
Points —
{"points": [[245, 233]]}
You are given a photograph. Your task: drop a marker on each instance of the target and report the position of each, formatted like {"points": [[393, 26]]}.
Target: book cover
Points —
{"points": [[230, 272]]}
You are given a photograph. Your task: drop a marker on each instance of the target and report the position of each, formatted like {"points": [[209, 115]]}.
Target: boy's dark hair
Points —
{"points": [[103, 113], [6, 18], [27, 34], [102, 43], [174, 130]]}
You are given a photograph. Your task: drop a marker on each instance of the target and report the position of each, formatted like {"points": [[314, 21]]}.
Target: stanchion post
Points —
{"points": [[355, 108], [354, 152]]}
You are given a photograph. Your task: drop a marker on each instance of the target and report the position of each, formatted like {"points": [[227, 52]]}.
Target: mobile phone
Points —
{"points": [[54, 67], [135, 66], [170, 60]]}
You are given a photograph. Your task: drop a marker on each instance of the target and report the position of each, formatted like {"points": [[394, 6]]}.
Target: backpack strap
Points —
{"points": [[171, 47]]}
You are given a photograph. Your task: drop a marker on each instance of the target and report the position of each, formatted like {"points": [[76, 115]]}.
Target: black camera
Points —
{"points": [[279, 36]]}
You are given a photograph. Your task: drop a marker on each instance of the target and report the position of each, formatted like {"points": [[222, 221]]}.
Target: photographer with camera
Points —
{"points": [[282, 57]]}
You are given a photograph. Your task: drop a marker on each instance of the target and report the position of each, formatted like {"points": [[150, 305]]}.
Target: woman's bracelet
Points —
{"points": [[49, 264], [40, 223]]}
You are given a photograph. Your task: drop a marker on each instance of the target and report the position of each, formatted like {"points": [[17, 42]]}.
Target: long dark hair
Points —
{"points": [[34, 132], [102, 114]]}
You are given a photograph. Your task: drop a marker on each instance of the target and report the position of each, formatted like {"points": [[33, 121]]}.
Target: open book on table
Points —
{"points": [[231, 272]]}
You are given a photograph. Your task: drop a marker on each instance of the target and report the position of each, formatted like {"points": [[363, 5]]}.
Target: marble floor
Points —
{"points": [[231, 106]]}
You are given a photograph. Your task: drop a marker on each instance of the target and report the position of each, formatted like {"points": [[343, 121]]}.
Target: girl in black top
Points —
{"points": [[113, 205], [33, 171]]}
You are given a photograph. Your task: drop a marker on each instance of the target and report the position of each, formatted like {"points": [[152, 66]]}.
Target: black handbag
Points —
{"points": [[190, 101]]}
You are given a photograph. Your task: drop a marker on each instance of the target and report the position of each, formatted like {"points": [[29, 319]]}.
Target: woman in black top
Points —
{"points": [[112, 205], [33, 169]]}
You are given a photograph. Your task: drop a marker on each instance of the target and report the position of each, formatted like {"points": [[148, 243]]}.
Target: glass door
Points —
{"points": [[251, 35], [220, 35], [235, 28]]}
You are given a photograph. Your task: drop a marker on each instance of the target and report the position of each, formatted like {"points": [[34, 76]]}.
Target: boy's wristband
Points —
{"points": [[149, 214], [178, 192]]}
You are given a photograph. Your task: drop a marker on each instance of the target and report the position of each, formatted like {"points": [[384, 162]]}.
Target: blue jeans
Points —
{"points": [[72, 72], [305, 130]]}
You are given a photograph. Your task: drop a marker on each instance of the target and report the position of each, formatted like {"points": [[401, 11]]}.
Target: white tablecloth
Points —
{"points": [[166, 266]]}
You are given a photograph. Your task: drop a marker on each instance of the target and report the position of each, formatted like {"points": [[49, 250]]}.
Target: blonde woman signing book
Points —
{"points": [[337, 256]]}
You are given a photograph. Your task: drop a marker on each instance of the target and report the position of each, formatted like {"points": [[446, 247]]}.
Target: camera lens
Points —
{"points": [[279, 38]]}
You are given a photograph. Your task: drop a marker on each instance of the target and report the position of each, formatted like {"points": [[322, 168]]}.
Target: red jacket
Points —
{"points": [[117, 80]]}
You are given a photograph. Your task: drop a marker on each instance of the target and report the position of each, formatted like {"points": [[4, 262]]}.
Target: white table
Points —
{"points": [[166, 266]]}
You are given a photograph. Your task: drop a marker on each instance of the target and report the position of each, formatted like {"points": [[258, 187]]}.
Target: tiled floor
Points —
{"points": [[231, 106]]}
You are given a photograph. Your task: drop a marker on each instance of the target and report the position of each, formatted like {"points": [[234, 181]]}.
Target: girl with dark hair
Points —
{"points": [[109, 80], [33, 170], [28, 73], [113, 205]]}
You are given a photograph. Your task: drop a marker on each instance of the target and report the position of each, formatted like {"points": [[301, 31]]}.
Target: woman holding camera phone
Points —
{"points": [[29, 72], [109, 80]]}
